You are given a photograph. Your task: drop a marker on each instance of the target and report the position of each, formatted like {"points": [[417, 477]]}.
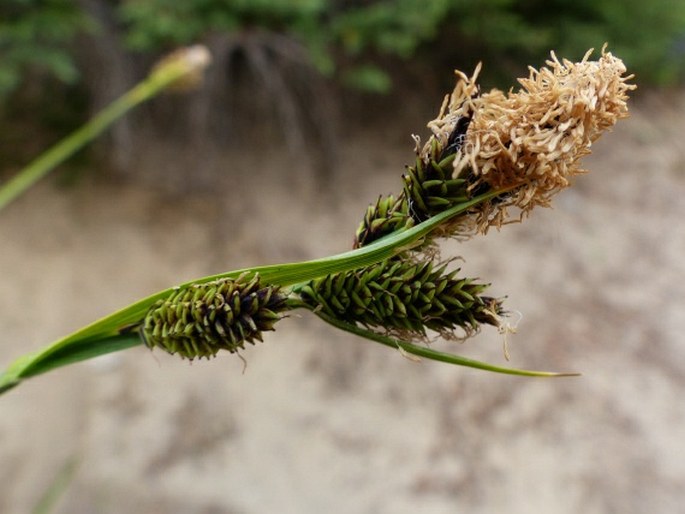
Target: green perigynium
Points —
{"points": [[429, 188], [403, 297], [387, 215], [396, 296], [201, 319]]}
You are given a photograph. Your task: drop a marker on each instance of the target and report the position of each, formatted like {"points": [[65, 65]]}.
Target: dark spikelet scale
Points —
{"points": [[386, 216], [199, 320], [402, 296], [429, 189], [429, 184]]}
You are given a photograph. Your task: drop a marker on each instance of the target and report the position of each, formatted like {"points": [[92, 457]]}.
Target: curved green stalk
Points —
{"points": [[105, 336], [169, 73], [49, 500], [78, 350], [428, 353]]}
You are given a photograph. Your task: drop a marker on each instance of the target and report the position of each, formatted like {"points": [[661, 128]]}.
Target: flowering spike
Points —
{"points": [[404, 297], [201, 319], [529, 142]]}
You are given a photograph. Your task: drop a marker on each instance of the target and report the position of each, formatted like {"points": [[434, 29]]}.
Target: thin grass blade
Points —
{"points": [[103, 336], [429, 353]]}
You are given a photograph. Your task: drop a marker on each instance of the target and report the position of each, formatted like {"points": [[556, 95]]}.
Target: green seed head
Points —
{"points": [[429, 188], [199, 320], [386, 216], [429, 185], [403, 297]]}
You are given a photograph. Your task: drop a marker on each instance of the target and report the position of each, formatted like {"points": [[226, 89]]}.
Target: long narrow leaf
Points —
{"points": [[35, 364], [288, 274], [429, 353], [166, 75], [103, 336]]}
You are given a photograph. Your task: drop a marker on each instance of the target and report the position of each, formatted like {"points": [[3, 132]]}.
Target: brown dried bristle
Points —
{"points": [[188, 64], [530, 142], [201, 319]]}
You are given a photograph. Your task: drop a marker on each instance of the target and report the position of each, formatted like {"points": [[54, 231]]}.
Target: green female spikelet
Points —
{"points": [[403, 297], [387, 215], [429, 188], [199, 320]]}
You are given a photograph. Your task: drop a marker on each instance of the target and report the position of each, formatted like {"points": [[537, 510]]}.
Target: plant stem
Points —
{"points": [[109, 334], [168, 73], [48, 502], [425, 352], [34, 364]]}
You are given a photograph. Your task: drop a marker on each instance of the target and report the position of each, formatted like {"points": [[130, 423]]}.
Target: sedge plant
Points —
{"points": [[492, 157]]}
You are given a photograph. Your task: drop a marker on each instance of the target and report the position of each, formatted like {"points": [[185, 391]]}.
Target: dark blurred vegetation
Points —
{"points": [[280, 65]]}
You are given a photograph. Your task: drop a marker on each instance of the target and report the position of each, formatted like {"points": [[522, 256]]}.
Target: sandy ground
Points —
{"points": [[323, 422]]}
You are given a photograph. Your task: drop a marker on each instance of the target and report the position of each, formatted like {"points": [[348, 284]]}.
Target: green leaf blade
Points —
{"points": [[429, 353], [105, 335]]}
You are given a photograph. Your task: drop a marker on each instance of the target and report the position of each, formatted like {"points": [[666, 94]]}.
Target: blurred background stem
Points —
{"points": [[178, 67], [50, 499]]}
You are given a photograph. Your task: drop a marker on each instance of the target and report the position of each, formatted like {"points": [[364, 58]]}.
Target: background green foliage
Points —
{"points": [[35, 36], [324, 27], [291, 51], [650, 36], [152, 23]]}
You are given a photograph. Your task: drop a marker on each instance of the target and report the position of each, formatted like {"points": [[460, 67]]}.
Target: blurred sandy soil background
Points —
{"points": [[321, 421]]}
